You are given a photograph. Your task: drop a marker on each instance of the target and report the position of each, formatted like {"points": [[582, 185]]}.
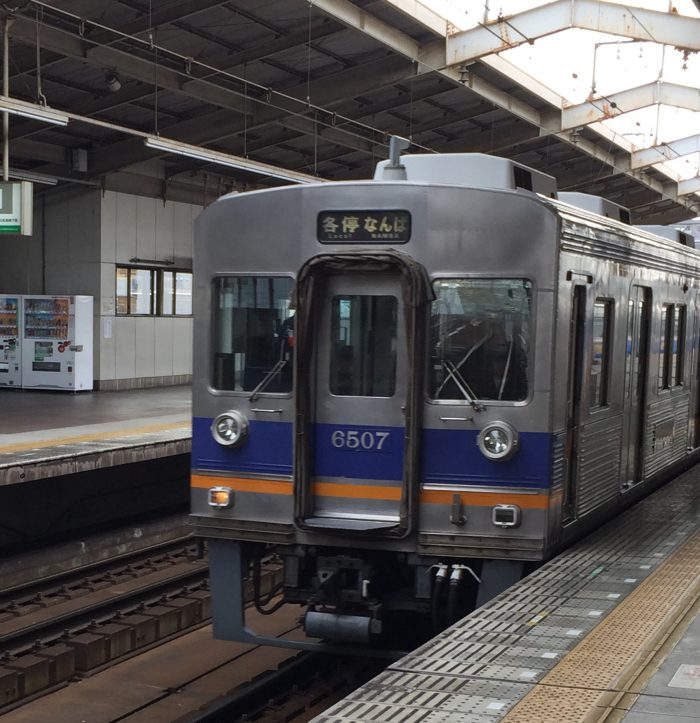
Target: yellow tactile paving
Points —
{"points": [[588, 680], [112, 434]]}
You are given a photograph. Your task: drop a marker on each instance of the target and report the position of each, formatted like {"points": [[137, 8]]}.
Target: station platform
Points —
{"points": [[96, 449], [46, 434], [606, 631]]}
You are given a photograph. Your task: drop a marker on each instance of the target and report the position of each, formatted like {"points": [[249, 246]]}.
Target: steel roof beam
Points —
{"points": [[605, 17], [352, 16], [692, 185], [336, 87], [420, 13], [338, 135], [219, 124], [429, 60], [553, 17], [665, 152], [175, 11], [611, 106], [38, 151]]}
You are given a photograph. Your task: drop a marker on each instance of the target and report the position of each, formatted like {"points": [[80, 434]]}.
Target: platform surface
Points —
{"points": [[606, 631], [47, 434]]}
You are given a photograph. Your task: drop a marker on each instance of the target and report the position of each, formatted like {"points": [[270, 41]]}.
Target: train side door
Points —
{"points": [[636, 372], [577, 365], [359, 383]]}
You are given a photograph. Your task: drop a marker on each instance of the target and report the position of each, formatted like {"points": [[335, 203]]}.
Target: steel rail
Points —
{"points": [[138, 600], [26, 590]]}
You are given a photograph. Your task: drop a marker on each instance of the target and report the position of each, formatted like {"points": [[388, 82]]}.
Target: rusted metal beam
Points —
{"points": [[626, 21]]}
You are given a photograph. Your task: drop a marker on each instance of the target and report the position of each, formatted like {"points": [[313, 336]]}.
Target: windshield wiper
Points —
{"points": [[267, 379], [462, 385]]}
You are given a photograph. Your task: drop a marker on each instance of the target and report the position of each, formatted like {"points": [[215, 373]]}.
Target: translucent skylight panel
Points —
{"points": [[655, 124], [465, 14], [575, 63]]}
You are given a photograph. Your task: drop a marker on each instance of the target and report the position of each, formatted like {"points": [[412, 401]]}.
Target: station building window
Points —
{"points": [[136, 291], [143, 291], [176, 293]]}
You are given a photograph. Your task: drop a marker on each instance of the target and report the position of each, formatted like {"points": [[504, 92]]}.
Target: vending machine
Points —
{"points": [[57, 342], [10, 341]]}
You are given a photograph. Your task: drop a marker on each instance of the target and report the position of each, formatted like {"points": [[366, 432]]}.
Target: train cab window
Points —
{"points": [[363, 345], [253, 334], [480, 340], [600, 359], [672, 346]]}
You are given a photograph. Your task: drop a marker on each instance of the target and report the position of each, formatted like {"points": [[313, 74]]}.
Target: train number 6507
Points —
{"points": [[353, 439]]}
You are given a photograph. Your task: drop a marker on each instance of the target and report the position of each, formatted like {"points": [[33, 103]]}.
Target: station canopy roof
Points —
{"points": [[239, 94]]}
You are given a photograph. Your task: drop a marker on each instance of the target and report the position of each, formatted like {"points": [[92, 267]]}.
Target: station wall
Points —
{"points": [[80, 236], [138, 350]]}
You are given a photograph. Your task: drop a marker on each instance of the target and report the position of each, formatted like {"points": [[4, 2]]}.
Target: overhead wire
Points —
{"points": [[267, 94]]}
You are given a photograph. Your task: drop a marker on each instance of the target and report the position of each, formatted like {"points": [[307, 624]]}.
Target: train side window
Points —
{"points": [[664, 361], [672, 346], [600, 359], [480, 339], [253, 333], [678, 345]]}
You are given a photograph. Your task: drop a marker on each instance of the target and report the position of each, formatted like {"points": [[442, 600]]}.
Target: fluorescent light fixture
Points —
{"points": [[33, 177], [33, 111], [224, 159]]}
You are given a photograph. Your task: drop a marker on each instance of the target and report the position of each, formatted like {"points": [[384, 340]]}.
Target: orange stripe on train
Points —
{"points": [[240, 484], [373, 492]]}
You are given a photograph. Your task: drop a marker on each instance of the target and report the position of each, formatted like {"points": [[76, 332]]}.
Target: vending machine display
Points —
{"points": [[10, 342], [57, 342]]}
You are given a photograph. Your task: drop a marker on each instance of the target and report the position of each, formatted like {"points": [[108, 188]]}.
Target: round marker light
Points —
{"points": [[230, 429], [498, 441]]}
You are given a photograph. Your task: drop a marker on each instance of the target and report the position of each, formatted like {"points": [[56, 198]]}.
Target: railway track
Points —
{"points": [[195, 678], [74, 631], [75, 623], [300, 689], [21, 591]]}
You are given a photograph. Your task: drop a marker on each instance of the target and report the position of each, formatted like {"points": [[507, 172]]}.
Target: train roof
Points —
{"points": [[475, 170], [485, 172]]}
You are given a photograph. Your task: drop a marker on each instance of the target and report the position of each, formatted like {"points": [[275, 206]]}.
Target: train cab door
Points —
{"points": [[636, 370], [358, 396], [358, 417]]}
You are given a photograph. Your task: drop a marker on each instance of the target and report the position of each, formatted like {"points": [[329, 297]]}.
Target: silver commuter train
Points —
{"points": [[415, 388]]}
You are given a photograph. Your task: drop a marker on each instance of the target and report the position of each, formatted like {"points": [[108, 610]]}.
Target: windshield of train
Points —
{"points": [[253, 334], [479, 339]]}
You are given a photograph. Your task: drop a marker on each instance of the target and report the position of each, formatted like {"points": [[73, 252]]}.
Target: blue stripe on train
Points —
{"points": [[448, 456], [358, 451], [267, 451], [451, 456]]}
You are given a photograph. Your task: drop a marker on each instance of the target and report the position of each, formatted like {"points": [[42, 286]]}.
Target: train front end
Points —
{"points": [[372, 399]]}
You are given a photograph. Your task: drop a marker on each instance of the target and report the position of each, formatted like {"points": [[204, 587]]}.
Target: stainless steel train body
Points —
{"points": [[406, 386]]}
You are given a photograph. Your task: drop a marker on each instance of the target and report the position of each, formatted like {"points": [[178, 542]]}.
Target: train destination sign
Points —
{"points": [[364, 227]]}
